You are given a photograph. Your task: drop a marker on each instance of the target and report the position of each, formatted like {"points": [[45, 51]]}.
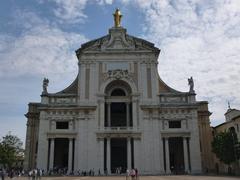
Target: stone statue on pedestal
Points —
{"points": [[45, 85], [191, 84], [117, 18]]}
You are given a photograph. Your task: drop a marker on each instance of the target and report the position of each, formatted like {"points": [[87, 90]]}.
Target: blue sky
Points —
{"points": [[38, 38]]}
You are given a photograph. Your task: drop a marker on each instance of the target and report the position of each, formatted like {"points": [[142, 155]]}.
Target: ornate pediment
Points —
{"points": [[117, 40]]}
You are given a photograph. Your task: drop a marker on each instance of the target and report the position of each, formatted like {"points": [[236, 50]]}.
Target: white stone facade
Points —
{"points": [[117, 63]]}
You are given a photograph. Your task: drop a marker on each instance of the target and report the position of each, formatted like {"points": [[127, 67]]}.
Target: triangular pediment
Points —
{"points": [[118, 40]]}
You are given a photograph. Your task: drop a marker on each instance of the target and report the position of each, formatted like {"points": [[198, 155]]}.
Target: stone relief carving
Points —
{"points": [[63, 100], [118, 41], [173, 99], [117, 74]]}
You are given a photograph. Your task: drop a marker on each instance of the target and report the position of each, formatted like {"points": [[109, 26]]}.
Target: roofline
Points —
{"points": [[230, 110], [220, 125]]}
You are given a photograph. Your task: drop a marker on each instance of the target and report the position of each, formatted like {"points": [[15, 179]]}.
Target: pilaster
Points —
{"points": [[129, 155], [167, 156], [51, 157]]}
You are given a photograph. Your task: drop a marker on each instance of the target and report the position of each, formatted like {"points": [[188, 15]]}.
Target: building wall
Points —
{"points": [[205, 133], [153, 109], [31, 142], [233, 122]]}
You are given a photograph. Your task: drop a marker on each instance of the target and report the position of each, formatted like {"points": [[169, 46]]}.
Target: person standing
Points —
{"points": [[133, 174], [136, 173], [127, 174], [2, 173]]}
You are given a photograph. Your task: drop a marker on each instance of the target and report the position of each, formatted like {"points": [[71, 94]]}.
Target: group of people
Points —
{"points": [[132, 173], [65, 172], [11, 173], [35, 174]]}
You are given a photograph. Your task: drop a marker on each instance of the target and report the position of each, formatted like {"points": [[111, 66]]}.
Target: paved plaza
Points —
{"points": [[183, 177]]}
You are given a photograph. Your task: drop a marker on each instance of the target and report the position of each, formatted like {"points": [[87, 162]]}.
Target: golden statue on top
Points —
{"points": [[117, 18]]}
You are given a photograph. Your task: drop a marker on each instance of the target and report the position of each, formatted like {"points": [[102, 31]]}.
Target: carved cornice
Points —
{"points": [[118, 135], [168, 133], [204, 113], [86, 62], [32, 115], [116, 132], [146, 61], [61, 135]]}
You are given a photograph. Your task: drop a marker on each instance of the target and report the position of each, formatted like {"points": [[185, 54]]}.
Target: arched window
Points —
{"points": [[118, 92], [118, 105]]}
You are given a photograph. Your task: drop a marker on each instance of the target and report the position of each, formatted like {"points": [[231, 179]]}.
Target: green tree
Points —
{"points": [[10, 150], [223, 146]]}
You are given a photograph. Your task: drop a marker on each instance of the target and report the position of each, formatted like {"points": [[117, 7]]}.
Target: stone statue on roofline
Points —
{"points": [[45, 85], [191, 84], [117, 18]]}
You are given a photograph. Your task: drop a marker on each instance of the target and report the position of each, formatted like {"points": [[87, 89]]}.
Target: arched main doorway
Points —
{"points": [[118, 115]]}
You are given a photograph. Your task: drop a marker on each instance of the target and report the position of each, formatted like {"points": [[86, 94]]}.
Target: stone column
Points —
{"points": [[185, 150], [101, 155], [108, 156], [70, 155], [128, 113], [167, 156], [51, 158], [129, 155], [109, 114], [101, 112], [137, 154], [134, 112]]}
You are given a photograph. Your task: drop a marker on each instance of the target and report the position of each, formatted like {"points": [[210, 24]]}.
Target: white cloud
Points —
{"points": [[40, 48], [72, 11], [103, 2], [199, 39]]}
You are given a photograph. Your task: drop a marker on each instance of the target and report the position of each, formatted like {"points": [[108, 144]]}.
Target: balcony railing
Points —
{"points": [[121, 128]]}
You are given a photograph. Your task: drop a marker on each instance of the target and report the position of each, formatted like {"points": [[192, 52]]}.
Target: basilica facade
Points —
{"points": [[118, 113]]}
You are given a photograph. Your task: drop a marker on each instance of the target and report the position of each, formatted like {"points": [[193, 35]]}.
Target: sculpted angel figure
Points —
{"points": [[191, 84]]}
